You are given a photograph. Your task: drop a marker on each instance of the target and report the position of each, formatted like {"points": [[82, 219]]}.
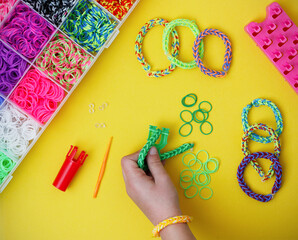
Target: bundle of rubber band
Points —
{"points": [[198, 48], [6, 165], [89, 26], [64, 61], [54, 11], [26, 31], [252, 157], [37, 95], [16, 131], [5, 7], [118, 8], [190, 178], [12, 68], [154, 135], [194, 115]]}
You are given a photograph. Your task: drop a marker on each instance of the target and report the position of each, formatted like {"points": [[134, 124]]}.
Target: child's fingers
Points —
{"points": [[155, 165]]}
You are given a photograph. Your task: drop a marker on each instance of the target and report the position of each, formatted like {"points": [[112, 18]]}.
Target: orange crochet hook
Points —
{"points": [[102, 169]]}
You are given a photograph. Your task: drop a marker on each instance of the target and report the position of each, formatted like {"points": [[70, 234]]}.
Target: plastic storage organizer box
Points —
{"points": [[42, 60], [277, 36]]}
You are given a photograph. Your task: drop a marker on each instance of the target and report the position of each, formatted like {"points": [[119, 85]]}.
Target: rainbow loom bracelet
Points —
{"points": [[165, 41], [139, 44], [262, 102], [277, 147], [227, 57], [278, 172]]}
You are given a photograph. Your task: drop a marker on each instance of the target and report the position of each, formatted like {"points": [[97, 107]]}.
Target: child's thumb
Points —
{"points": [[154, 163]]}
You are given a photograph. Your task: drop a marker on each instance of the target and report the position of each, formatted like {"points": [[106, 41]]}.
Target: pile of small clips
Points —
{"points": [[194, 115], [100, 108], [190, 178]]}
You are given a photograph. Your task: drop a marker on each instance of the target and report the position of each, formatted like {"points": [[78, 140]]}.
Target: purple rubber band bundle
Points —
{"points": [[26, 31], [12, 67]]}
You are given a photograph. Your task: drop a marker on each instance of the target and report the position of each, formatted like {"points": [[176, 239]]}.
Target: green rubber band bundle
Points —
{"points": [[6, 165], [166, 36], [89, 26], [154, 135], [190, 178], [202, 110]]}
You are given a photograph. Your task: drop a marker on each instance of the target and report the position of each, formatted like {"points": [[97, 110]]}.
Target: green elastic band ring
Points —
{"points": [[211, 130], [191, 196], [190, 115], [204, 151], [191, 95], [188, 165], [182, 177], [205, 116], [215, 161], [187, 187], [205, 109], [207, 179], [206, 197], [185, 135], [165, 41]]}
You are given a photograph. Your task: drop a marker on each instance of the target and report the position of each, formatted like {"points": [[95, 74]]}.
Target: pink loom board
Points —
{"points": [[277, 36]]}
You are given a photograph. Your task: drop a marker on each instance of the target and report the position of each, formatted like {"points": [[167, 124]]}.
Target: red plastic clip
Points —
{"points": [[69, 168]]}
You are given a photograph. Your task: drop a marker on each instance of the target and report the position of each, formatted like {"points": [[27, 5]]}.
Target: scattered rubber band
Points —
{"points": [[206, 187], [215, 161], [191, 95], [165, 41], [190, 131], [205, 116], [203, 108], [227, 57], [139, 45], [191, 114], [191, 196], [206, 133]]}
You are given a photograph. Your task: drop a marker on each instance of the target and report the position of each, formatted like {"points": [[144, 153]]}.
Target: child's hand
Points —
{"points": [[155, 195]]}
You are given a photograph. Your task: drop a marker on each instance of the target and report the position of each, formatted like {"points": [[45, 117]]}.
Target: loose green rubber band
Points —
{"points": [[204, 151], [197, 161], [189, 165], [207, 178], [191, 95], [165, 41], [215, 161], [182, 177], [211, 130], [205, 116], [191, 196], [183, 118], [205, 188], [185, 135], [203, 108], [187, 187]]}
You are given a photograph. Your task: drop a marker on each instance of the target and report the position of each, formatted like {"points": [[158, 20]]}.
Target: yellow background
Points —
{"points": [[31, 208]]}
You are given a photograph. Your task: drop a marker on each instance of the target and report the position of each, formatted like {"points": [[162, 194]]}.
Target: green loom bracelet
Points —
{"points": [[165, 41]]}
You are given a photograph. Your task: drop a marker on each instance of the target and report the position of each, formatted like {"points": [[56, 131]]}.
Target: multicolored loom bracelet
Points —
{"points": [[227, 57], [277, 148], [165, 41], [139, 44], [278, 172], [262, 102]]}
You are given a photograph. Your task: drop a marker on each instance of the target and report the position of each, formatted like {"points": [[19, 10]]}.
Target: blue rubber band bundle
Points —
{"points": [[252, 157], [204, 108], [89, 26], [190, 178]]}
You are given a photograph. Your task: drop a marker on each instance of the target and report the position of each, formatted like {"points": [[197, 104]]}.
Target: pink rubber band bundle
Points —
{"points": [[26, 31], [16, 131], [64, 61], [37, 95], [5, 6]]}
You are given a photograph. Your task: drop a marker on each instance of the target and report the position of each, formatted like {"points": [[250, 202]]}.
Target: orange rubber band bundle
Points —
{"points": [[118, 8], [170, 221]]}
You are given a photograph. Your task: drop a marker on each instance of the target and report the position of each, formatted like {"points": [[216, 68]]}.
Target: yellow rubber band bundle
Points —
{"points": [[170, 221]]}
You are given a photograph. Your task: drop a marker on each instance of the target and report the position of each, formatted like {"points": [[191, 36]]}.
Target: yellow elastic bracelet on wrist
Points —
{"points": [[173, 220]]}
